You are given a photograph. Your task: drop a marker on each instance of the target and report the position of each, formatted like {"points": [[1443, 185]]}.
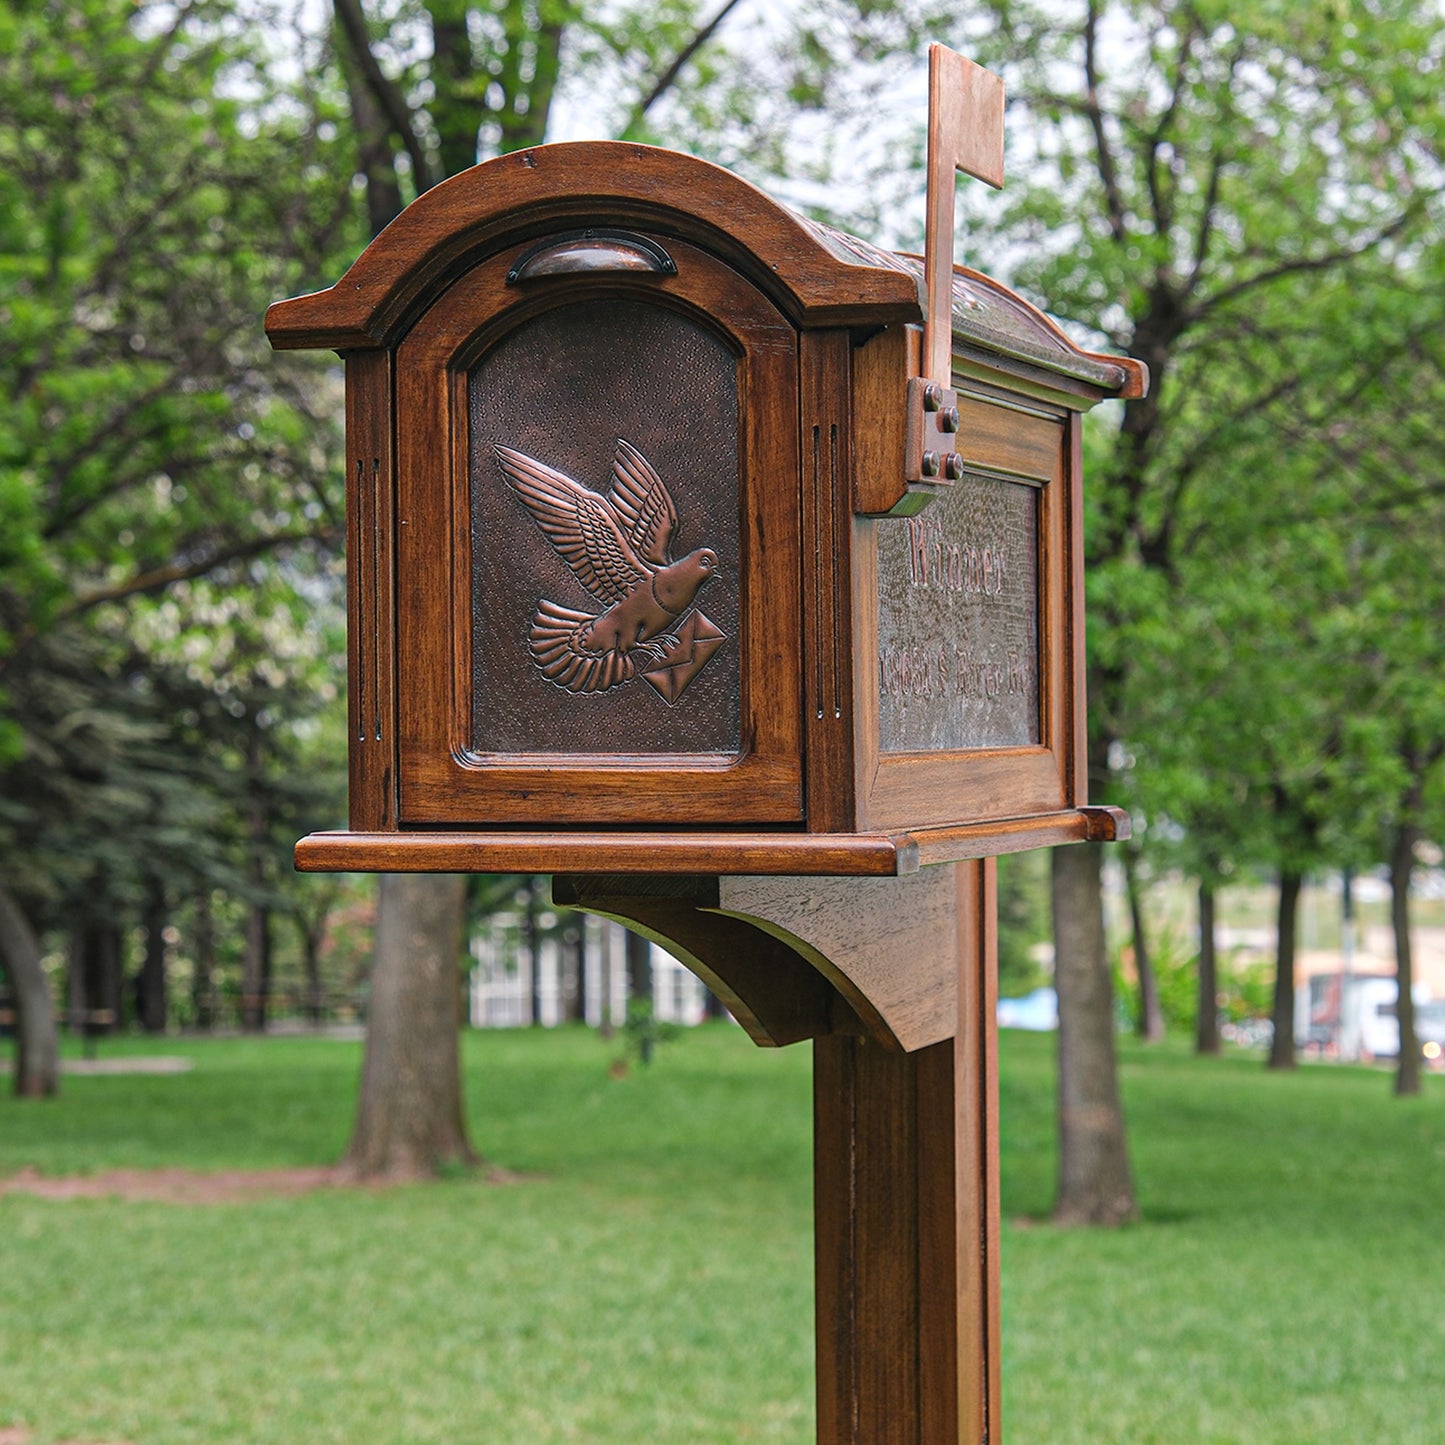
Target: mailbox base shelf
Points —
{"points": [[776, 853]]}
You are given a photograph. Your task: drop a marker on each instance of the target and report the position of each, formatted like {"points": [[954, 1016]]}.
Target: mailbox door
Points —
{"points": [[597, 542], [972, 612]]}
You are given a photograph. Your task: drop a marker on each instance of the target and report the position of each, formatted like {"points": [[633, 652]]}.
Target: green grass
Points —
{"points": [[1283, 1286], [650, 1278]]}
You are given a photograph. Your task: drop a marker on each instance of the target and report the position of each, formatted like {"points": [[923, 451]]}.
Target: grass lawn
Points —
{"points": [[649, 1279]]}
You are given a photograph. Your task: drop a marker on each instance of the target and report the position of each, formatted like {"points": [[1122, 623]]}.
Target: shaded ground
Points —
{"points": [[121, 1065], [224, 1186], [19, 1435], [177, 1186]]}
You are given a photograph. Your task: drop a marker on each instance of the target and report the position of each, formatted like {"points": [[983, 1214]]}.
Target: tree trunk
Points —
{"points": [[110, 967], [96, 993], [574, 976], [312, 937], [606, 1026], [1206, 1025], [1095, 1185], [409, 1121], [532, 927], [256, 960], [639, 993], [376, 160], [151, 985], [530, 71], [255, 968], [1150, 1023], [203, 982], [1281, 1052], [1402, 870], [37, 1055]]}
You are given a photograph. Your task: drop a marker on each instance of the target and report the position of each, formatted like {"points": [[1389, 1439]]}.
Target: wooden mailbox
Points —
{"points": [[686, 565], [655, 526]]}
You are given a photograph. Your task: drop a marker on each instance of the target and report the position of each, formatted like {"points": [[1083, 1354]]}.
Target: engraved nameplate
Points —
{"points": [[958, 621], [604, 519]]}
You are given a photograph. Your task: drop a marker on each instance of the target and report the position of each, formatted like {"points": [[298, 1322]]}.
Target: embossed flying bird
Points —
{"points": [[619, 548]]}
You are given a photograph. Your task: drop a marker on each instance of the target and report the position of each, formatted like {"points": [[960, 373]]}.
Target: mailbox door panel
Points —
{"points": [[971, 708], [597, 550]]}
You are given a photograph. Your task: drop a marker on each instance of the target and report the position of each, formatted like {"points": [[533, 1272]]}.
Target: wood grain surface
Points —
{"points": [[906, 1217], [689, 851], [527, 194]]}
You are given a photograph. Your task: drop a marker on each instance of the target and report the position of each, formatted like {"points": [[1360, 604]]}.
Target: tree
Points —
{"points": [[143, 443], [37, 1068], [409, 1121], [1206, 1020], [1195, 173], [1096, 1184], [1150, 1022]]}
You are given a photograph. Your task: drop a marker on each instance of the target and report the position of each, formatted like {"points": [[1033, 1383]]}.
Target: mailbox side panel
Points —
{"points": [[965, 683], [825, 444]]}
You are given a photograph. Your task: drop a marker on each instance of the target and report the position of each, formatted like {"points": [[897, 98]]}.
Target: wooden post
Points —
{"points": [[906, 1217]]}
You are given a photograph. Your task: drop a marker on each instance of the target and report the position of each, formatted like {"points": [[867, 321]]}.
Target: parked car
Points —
{"points": [[1430, 1031]]}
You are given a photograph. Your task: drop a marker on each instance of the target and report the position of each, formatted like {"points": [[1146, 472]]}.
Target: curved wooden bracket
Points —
{"points": [[798, 958], [768, 988]]}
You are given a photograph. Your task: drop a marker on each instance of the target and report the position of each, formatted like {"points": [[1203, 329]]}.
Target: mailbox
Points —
{"points": [[665, 555], [707, 558]]}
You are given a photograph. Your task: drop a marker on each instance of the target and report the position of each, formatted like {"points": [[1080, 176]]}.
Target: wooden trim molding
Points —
{"points": [[528, 193], [692, 851]]}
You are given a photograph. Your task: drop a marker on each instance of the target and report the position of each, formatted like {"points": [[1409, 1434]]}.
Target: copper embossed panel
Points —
{"points": [[958, 608], [605, 526]]}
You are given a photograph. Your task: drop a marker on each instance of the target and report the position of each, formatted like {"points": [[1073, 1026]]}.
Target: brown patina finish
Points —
{"points": [[579, 603]]}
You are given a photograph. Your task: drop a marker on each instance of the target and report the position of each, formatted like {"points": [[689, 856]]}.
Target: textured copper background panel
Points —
{"points": [[958, 629], [563, 388]]}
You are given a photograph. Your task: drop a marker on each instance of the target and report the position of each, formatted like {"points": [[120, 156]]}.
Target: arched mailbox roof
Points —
{"points": [[530, 193], [817, 275], [987, 315]]}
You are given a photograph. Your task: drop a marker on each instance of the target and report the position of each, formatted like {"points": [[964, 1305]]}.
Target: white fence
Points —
{"points": [[592, 975]]}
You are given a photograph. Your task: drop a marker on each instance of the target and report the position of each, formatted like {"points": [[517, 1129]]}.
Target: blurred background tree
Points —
{"points": [[1234, 195], [158, 183]]}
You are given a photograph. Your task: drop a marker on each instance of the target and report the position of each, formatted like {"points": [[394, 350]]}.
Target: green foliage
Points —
{"points": [[169, 625], [643, 1032], [1175, 961], [144, 221], [1248, 199], [1024, 921]]}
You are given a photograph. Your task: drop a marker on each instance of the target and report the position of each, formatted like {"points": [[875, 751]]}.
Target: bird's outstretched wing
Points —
{"points": [[642, 504], [581, 525]]}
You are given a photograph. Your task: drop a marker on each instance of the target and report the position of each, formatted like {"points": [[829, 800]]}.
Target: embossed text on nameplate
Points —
{"points": [[958, 621], [604, 520]]}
